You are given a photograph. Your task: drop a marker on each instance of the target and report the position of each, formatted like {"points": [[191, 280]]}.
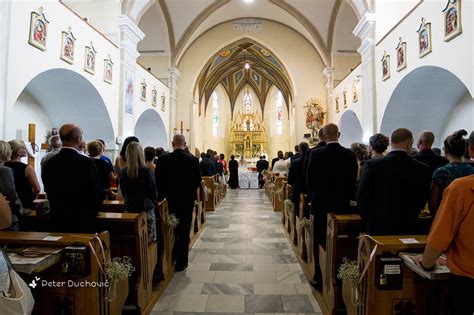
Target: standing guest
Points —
{"points": [[207, 166], [7, 186], [426, 154], [452, 232], [223, 161], [121, 160], [177, 178], [73, 185], [202, 156], [102, 153], [82, 148], [437, 151], [150, 158], [159, 153], [282, 166], [361, 152], [321, 143], [233, 173], [378, 144], [297, 153], [104, 169], [262, 165], [26, 183], [138, 187], [280, 156], [295, 175], [454, 146], [393, 189], [55, 145], [332, 172], [5, 213]]}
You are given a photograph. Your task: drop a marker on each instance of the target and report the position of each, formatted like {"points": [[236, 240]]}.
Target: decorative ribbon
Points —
{"points": [[361, 238]]}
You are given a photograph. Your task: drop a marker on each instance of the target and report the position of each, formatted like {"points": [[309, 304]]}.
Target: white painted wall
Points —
{"points": [[389, 13], [159, 66], [277, 142], [221, 142], [461, 117], [350, 129]]}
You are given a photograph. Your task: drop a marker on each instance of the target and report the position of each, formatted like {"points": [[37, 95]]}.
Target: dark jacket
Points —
{"points": [[139, 193], [177, 178], [429, 158], [296, 179], [305, 161], [7, 189], [74, 192], [207, 167], [262, 165], [392, 192]]}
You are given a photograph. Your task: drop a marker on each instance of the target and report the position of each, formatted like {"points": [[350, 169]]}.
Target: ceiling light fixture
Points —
{"points": [[246, 63], [248, 1]]}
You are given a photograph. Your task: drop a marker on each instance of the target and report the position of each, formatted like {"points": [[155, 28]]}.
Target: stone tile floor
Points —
{"points": [[241, 263]]}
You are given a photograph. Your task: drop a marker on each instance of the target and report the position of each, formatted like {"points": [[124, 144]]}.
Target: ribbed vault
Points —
{"points": [[226, 67]]}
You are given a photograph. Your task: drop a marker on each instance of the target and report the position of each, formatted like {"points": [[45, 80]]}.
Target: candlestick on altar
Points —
{"points": [[182, 125]]}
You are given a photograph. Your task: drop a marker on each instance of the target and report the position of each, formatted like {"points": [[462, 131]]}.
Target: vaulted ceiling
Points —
{"points": [[227, 67], [171, 26]]}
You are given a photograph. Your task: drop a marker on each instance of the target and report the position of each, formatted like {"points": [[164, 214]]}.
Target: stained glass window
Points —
{"points": [[279, 113], [215, 115]]}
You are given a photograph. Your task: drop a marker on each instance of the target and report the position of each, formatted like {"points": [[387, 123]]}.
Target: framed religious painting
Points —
{"points": [[385, 66], [344, 97], [338, 107], [108, 70], [401, 55], [89, 59], [163, 102], [38, 29], [143, 91], [68, 42], [424, 38], [452, 19], [355, 95], [154, 97]]}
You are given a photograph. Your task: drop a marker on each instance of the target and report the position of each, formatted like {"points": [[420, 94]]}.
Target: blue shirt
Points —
{"points": [[445, 175]]}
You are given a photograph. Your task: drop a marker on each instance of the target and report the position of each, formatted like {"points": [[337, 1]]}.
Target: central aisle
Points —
{"points": [[241, 263]]}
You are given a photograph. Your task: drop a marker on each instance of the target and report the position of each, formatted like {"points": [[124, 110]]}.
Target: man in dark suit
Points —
{"points": [[331, 177], [177, 178], [297, 153], [321, 143], [394, 189], [295, 174], [262, 165], [426, 154], [72, 184], [207, 166], [279, 157]]}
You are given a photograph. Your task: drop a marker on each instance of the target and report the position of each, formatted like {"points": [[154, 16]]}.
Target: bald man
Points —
{"points": [[72, 185], [394, 189], [331, 179], [177, 179], [426, 155]]}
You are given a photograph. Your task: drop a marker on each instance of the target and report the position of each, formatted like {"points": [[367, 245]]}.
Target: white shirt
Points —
{"points": [[282, 167]]}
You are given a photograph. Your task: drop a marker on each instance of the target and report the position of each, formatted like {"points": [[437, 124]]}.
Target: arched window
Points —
{"points": [[279, 113], [215, 115], [248, 104]]}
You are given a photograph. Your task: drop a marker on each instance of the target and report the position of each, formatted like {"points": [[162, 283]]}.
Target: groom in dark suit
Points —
{"points": [[331, 178], [72, 185], [177, 179], [394, 189]]}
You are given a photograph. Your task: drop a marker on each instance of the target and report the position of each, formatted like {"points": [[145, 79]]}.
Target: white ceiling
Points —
{"points": [[156, 32]]}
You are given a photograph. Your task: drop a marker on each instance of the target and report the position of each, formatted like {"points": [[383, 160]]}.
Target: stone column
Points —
{"points": [[130, 35], [365, 30], [174, 75], [328, 73], [5, 12]]}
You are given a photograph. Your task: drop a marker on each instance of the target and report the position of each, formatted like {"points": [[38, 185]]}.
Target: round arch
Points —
{"points": [[60, 96], [424, 100], [350, 128], [151, 130]]}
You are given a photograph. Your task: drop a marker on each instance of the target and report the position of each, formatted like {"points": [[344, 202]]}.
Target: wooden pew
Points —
{"points": [[211, 202], [129, 237], [113, 206], [166, 239], [341, 241], [413, 292], [65, 298], [277, 194]]}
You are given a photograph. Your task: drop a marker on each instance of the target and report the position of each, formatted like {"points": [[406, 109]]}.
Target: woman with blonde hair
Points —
{"points": [[138, 186], [7, 189], [26, 183]]}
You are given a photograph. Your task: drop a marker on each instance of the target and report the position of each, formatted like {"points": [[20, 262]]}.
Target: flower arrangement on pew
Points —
{"points": [[349, 272], [173, 221], [119, 268]]}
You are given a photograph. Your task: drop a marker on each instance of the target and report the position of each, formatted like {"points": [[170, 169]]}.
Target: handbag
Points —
{"points": [[20, 299]]}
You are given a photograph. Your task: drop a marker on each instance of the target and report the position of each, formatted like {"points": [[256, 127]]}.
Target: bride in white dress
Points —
{"points": [[243, 174]]}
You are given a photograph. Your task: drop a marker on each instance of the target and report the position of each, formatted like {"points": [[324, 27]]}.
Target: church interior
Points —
{"points": [[307, 157]]}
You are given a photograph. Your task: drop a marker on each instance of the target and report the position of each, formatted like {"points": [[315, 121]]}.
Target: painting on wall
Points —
{"points": [[90, 57], [38, 29], [128, 93], [344, 97], [154, 97], [355, 95], [67, 46], [338, 108], [108, 70], [401, 55], [143, 91], [452, 20], [385, 66], [163, 102], [424, 38]]}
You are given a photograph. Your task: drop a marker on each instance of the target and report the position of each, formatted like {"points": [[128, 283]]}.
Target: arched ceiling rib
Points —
{"points": [[226, 67]]}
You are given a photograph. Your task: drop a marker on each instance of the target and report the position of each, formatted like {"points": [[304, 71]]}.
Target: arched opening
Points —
{"points": [[350, 128], [429, 98], [151, 130]]}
